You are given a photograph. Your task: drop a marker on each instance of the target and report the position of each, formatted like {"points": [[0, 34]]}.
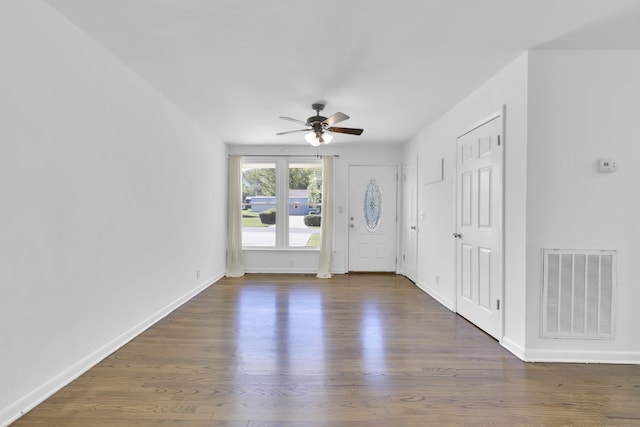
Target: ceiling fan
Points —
{"points": [[318, 127]]}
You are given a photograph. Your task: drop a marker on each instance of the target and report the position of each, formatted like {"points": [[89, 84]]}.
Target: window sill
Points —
{"points": [[272, 249]]}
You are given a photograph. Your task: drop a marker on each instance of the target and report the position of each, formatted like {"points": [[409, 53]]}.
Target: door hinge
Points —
{"points": [[498, 140], [497, 304]]}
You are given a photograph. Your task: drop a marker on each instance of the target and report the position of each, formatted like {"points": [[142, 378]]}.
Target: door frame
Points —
{"points": [[346, 227], [501, 113]]}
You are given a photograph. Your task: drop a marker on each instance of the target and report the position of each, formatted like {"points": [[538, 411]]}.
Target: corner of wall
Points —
{"points": [[514, 348]]}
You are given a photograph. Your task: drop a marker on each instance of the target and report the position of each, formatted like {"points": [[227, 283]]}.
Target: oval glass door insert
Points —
{"points": [[372, 206]]}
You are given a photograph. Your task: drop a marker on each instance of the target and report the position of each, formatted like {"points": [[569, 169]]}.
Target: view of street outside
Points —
{"points": [[300, 235]]}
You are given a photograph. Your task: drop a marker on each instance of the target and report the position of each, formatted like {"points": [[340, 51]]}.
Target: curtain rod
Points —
{"points": [[317, 156]]}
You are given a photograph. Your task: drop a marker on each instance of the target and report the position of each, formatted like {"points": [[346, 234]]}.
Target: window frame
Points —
{"points": [[282, 165]]}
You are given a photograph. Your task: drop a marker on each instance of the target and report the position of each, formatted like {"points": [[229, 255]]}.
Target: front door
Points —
{"points": [[372, 218], [479, 226]]}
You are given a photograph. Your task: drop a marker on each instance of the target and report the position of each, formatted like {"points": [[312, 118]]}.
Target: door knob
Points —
{"points": [[457, 235]]}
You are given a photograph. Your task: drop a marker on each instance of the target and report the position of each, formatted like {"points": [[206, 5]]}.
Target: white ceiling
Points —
{"points": [[235, 66]]}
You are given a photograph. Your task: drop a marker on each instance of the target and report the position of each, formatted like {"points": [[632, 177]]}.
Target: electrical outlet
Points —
{"points": [[437, 279], [197, 274]]}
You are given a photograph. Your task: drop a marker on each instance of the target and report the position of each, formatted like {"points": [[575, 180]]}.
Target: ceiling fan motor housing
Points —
{"points": [[314, 121]]}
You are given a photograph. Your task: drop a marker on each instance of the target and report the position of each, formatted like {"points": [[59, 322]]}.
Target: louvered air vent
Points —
{"points": [[578, 294]]}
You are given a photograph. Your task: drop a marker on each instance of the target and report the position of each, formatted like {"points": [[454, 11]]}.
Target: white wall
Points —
{"points": [[565, 110], [307, 261], [110, 203], [584, 105], [436, 246]]}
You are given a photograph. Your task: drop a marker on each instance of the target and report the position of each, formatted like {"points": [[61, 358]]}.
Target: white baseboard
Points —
{"points": [[571, 356], [280, 270], [583, 356], [436, 296], [40, 394], [513, 347]]}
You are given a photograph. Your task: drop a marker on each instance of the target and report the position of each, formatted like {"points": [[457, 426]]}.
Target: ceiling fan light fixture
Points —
{"points": [[311, 139], [315, 139]]}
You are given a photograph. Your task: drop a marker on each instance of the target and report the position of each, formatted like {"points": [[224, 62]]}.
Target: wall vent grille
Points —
{"points": [[578, 294]]}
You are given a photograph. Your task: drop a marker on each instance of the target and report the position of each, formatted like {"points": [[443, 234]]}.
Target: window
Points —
{"points": [[293, 186], [259, 204], [305, 186]]}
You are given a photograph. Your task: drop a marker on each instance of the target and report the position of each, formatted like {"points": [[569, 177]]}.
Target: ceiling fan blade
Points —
{"points": [[293, 131], [294, 120], [336, 118], [351, 131]]}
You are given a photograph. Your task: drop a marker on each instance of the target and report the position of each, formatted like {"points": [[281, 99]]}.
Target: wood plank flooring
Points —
{"points": [[356, 350]]}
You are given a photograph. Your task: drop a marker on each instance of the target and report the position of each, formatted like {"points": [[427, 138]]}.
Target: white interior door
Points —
{"points": [[409, 218], [479, 226], [372, 218]]}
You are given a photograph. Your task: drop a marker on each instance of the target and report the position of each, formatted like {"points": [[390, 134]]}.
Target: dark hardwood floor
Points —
{"points": [[356, 350]]}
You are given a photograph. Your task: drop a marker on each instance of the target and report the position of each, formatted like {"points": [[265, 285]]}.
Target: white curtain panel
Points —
{"points": [[235, 265], [326, 224]]}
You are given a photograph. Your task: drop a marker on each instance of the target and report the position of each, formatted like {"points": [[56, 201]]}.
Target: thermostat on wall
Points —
{"points": [[607, 165]]}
